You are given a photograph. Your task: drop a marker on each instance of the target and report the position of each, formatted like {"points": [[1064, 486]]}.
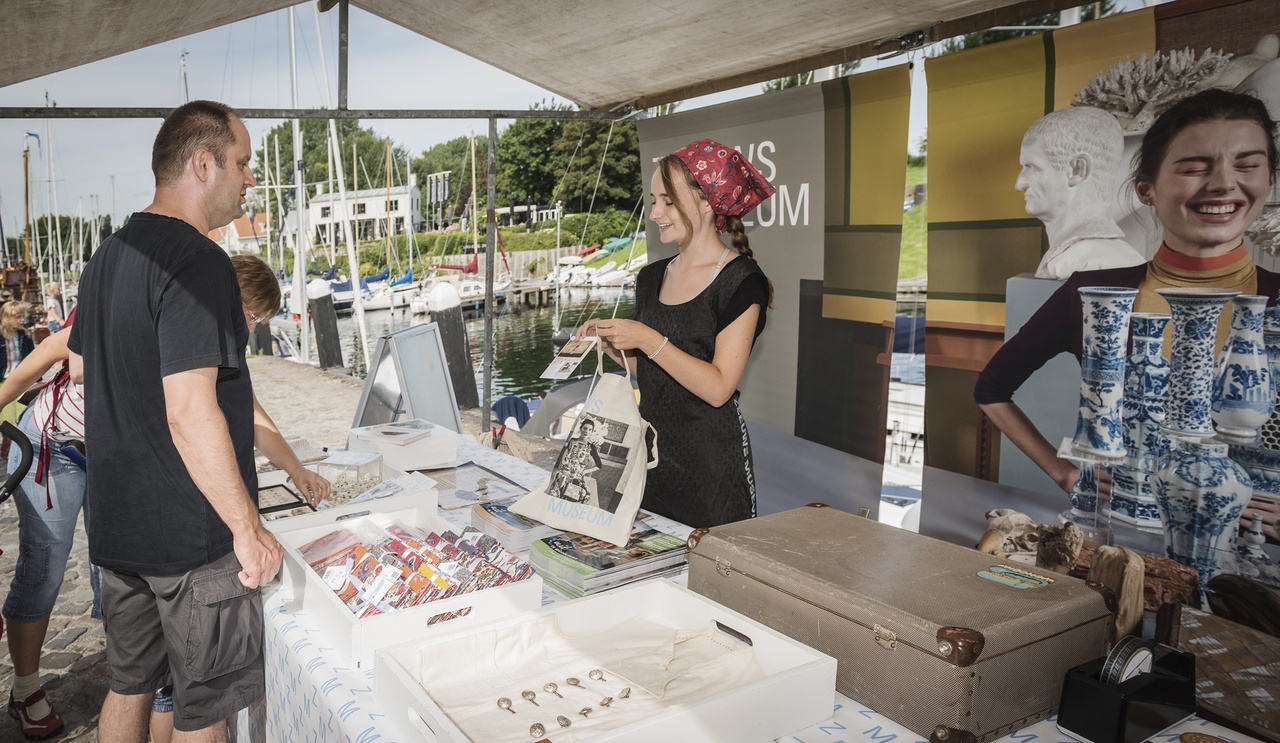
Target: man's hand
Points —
{"points": [[310, 485], [259, 555]]}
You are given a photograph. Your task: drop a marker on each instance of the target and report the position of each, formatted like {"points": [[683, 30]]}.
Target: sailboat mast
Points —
{"points": [[26, 201], [388, 208], [299, 249]]}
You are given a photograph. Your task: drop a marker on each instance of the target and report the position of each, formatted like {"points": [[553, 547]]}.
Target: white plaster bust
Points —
{"points": [[1069, 160]]}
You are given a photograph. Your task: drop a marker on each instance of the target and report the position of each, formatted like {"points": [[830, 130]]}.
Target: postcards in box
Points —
{"points": [[357, 638], [648, 662], [951, 643]]}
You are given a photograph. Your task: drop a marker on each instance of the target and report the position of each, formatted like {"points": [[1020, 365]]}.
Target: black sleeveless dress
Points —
{"points": [[704, 475]]}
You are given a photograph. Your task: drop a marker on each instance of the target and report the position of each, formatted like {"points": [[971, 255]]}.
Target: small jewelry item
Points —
{"points": [[584, 711], [658, 350], [626, 692], [606, 701], [552, 688], [596, 675], [564, 721], [571, 681], [505, 703], [528, 697], [536, 730]]}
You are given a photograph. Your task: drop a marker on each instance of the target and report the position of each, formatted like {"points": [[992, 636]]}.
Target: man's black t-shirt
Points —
{"points": [[157, 298]]}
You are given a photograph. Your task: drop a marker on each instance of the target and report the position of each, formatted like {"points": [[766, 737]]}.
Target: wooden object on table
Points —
{"points": [[1121, 570], [1059, 547], [1245, 601], [1236, 667], [1166, 581]]}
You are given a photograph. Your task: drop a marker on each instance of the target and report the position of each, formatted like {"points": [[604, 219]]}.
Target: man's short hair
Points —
{"points": [[1082, 130], [189, 127]]}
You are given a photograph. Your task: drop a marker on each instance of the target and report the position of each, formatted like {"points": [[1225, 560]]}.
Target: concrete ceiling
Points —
{"points": [[600, 54]]}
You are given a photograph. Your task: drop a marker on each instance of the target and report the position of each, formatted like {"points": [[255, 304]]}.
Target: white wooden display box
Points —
{"points": [[355, 638], [290, 574], [798, 689]]}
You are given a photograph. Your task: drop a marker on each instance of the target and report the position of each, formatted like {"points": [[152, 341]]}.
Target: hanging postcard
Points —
{"points": [[568, 359]]}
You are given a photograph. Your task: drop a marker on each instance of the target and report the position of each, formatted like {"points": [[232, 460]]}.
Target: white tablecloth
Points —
{"points": [[313, 698]]}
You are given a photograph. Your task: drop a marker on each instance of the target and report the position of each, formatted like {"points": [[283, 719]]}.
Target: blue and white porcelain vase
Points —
{"points": [[1243, 393], [1201, 493], [1195, 314], [1106, 310], [1146, 384]]}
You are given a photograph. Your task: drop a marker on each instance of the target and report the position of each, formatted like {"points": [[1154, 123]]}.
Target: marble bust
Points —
{"points": [[1069, 159]]}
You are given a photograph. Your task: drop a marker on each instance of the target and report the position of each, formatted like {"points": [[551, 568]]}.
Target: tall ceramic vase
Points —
{"points": [[1202, 493], [1243, 393], [1195, 314], [1099, 432], [1145, 387]]}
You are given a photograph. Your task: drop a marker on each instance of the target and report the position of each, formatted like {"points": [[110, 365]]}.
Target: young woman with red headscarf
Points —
{"points": [[696, 320]]}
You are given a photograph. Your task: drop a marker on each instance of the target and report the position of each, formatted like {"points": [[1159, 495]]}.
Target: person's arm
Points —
{"points": [[269, 441], [75, 365], [1043, 337], [713, 382], [34, 366], [203, 441], [1015, 424]]}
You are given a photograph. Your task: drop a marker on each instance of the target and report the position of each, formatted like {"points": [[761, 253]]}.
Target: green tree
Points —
{"points": [[982, 38], [529, 168], [370, 151], [454, 156], [582, 150], [805, 78]]}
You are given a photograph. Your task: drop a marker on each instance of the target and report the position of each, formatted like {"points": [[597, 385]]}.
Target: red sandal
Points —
{"points": [[48, 725]]}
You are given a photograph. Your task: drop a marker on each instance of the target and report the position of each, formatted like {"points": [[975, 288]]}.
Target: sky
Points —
{"points": [[103, 166]]}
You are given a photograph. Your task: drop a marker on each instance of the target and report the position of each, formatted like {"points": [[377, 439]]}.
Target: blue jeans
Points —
{"points": [[45, 534]]}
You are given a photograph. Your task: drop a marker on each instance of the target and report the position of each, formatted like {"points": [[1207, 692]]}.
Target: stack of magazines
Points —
{"points": [[378, 570], [514, 531], [578, 565]]}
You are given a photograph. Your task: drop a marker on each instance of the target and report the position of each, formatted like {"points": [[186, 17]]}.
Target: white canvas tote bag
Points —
{"points": [[598, 481]]}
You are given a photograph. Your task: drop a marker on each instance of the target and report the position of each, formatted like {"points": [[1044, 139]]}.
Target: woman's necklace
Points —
{"points": [[724, 256]]}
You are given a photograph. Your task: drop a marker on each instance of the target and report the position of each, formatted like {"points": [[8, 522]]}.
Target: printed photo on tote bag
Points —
{"points": [[598, 481]]}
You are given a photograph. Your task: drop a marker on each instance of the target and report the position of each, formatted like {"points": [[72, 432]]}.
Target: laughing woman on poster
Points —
{"points": [[696, 320]]}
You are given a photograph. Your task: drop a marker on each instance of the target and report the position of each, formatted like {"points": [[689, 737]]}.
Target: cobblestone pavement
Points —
{"points": [[305, 403]]}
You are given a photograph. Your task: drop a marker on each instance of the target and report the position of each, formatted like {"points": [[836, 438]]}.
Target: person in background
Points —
{"points": [[53, 317], [696, 320], [1206, 165], [172, 448], [17, 341]]}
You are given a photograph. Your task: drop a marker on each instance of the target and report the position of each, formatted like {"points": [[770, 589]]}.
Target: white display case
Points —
{"points": [[796, 690], [409, 445], [357, 638]]}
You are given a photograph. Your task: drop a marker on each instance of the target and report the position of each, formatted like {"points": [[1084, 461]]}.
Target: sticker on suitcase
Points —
{"points": [[1014, 577]]}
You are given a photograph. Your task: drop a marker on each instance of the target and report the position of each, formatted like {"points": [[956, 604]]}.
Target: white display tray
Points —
{"points": [[798, 688], [356, 639]]}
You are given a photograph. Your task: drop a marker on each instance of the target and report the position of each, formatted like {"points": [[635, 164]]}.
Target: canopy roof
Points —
{"points": [[601, 54]]}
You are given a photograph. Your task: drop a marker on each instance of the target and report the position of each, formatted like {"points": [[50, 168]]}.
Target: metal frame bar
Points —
{"points": [[17, 112]]}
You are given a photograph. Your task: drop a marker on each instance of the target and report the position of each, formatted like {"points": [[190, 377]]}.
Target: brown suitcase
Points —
{"points": [[934, 636]]}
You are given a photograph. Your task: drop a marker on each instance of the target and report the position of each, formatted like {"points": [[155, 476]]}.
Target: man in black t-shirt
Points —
{"points": [[159, 343]]}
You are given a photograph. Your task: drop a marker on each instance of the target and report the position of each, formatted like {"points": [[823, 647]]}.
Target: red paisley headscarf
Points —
{"points": [[731, 184]]}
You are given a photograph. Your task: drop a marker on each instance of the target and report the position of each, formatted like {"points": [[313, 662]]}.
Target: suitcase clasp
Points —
{"points": [[886, 638], [722, 567]]}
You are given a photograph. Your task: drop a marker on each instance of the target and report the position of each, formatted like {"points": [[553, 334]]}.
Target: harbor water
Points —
{"points": [[522, 336]]}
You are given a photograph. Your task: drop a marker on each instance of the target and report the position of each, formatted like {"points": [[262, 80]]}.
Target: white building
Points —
{"points": [[376, 211], [245, 235]]}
